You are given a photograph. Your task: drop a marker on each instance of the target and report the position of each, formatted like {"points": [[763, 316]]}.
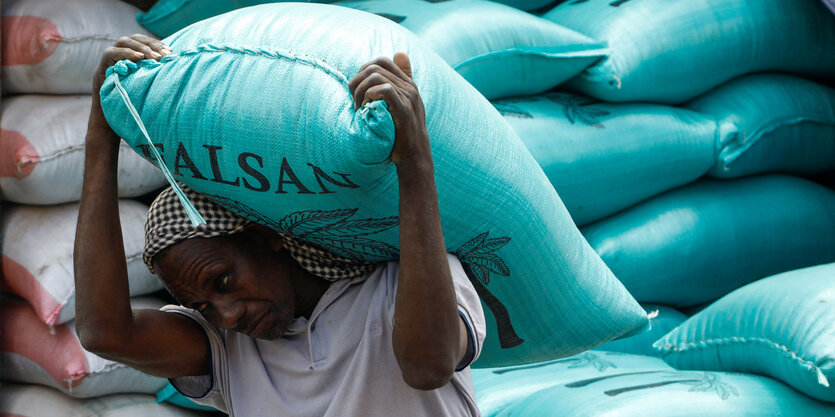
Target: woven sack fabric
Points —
{"points": [[498, 388], [37, 401], [501, 51], [771, 122], [54, 46], [42, 156], [604, 157], [253, 108], [669, 51], [781, 326], [35, 353], [663, 320], [699, 242], [168, 16], [38, 256], [634, 392]]}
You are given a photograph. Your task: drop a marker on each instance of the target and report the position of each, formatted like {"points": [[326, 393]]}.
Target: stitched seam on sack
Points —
{"points": [[708, 343], [758, 133], [71, 149], [108, 38], [267, 53], [515, 52]]}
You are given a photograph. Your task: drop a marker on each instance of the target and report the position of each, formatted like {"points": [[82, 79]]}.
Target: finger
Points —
{"points": [[115, 54], [387, 93], [388, 65], [402, 62], [126, 42], [360, 93], [155, 44]]}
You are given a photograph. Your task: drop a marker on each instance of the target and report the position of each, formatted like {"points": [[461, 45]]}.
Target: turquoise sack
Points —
{"points": [[253, 109], [669, 51], [169, 394], [639, 393], [771, 122], [531, 5], [501, 51], [604, 157], [168, 16], [782, 326], [701, 241], [498, 388], [662, 320]]}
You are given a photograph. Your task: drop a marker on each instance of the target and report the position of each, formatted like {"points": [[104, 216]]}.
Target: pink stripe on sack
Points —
{"points": [[20, 281], [59, 353], [17, 155], [28, 40]]}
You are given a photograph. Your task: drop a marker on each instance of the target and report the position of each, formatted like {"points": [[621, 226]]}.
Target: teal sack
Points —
{"points": [[605, 157], [531, 5], [253, 109], [170, 395], [501, 51], [168, 16], [700, 242], [782, 326], [771, 122], [662, 320], [498, 388], [640, 392], [669, 51]]}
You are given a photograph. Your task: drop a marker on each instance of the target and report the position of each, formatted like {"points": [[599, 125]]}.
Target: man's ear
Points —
{"points": [[265, 236]]}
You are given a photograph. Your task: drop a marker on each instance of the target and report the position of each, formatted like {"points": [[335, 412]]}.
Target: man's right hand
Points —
{"points": [[135, 48]]}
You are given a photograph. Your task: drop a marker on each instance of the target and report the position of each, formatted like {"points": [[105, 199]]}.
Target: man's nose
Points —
{"points": [[229, 312]]}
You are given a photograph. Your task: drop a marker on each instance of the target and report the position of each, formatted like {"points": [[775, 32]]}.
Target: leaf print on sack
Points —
{"points": [[577, 361], [511, 110], [479, 259], [577, 108], [712, 382], [331, 230], [701, 382], [304, 222]]}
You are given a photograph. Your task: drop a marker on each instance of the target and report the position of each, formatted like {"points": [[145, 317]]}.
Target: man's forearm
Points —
{"points": [[426, 315], [102, 292]]}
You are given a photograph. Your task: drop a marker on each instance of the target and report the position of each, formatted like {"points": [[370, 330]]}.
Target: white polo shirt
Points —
{"points": [[339, 363]]}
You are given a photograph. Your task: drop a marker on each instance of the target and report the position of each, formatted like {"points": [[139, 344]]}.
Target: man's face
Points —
{"points": [[238, 282]]}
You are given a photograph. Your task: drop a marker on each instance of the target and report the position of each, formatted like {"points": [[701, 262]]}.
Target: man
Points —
{"points": [[264, 335]]}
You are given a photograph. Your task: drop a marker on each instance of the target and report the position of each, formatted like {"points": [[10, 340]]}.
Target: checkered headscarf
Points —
{"points": [[167, 223]]}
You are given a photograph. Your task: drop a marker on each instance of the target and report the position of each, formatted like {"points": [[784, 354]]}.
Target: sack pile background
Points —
{"points": [[693, 143]]}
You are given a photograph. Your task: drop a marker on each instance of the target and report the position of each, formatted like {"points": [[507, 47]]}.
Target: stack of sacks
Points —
{"points": [[38, 256], [670, 51], [50, 50], [53, 47], [501, 51], [52, 355], [330, 181], [630, 174], [599, 383]]}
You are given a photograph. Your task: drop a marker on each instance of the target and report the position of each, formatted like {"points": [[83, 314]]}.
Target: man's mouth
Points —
{"points": [[254, 325]]}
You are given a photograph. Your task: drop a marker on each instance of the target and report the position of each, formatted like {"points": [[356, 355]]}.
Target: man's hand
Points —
{"points": [[392, 82], [135, 48]]}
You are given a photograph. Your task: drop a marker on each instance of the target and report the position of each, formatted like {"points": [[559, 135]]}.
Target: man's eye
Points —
{"points": [[223, 282]]}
